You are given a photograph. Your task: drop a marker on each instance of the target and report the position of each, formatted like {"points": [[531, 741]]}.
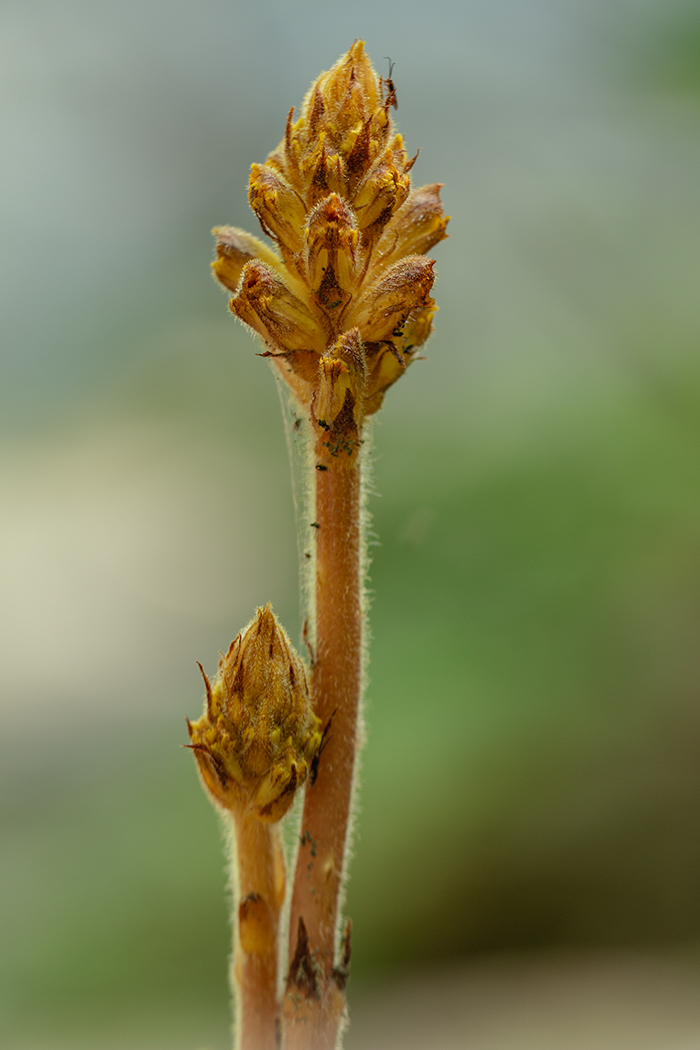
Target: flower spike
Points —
{"points": [[258, 735], [349, 236]]}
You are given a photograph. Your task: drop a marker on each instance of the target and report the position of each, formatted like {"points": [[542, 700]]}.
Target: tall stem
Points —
{"points": [[315, 1001], [259, 879], [341, 310]]}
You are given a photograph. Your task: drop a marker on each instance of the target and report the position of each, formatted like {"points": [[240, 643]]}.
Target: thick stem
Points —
{"points": [[260, 885], [315, 1001]]}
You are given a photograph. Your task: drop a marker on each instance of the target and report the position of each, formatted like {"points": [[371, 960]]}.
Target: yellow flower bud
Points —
{"points": [[234, 248], [280, 211], [417, 328], [272, 310], [349, 92], [385, 365], [415, 228], [339, 405], [323, 171], [331, 253], [258, 735], [384, 189], [386, 306]]}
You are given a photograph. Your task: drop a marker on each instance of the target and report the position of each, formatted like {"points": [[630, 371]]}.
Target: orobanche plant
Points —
{"points": [[341, 302]]}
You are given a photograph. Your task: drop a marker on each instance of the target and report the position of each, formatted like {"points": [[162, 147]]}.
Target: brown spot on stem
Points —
{"points": [[303, 976]]}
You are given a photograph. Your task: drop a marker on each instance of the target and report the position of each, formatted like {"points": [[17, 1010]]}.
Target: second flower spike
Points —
{"points": [[258, 735]]}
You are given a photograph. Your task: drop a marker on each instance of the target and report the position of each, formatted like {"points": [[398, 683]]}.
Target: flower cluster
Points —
{"points": [[258, 735], [342, 302]]}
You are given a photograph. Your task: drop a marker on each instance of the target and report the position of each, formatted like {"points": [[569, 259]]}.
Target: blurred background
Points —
{"points": [[527, 869]]}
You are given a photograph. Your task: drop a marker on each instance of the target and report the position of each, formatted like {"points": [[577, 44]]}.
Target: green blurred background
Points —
{"points": [[532, 775]]}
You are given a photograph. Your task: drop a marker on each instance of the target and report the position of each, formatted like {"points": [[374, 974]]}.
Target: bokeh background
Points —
{"points": [[529, 840]]}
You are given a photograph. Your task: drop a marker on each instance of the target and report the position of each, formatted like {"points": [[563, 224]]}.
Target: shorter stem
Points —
{"points": [[260, 885]]}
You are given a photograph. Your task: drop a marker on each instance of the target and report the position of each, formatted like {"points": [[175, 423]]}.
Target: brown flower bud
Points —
{"points": [[258, 735]]}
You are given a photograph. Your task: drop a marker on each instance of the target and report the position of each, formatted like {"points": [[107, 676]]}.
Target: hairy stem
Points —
{"points": [[315, 1000], [260, 884]]}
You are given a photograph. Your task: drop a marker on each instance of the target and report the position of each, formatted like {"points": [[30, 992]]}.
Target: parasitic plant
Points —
{"points": [[341, 303]]}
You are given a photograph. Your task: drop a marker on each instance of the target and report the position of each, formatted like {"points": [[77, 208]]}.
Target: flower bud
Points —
{"points": [[279, 208], [349, 91], [386, 306], [234, 248], [342, 377], [340, 396], [418, 328], [385, 365], [383, 191], [258, 735], [331, 252], [415, 228], [273, 311], [323, 172]]}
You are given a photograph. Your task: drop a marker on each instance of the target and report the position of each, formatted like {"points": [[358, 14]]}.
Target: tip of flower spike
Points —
{"points": [[347, 94], [351, 239]]}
